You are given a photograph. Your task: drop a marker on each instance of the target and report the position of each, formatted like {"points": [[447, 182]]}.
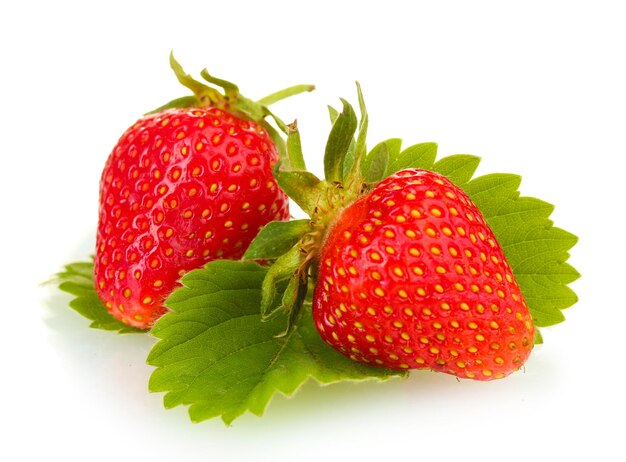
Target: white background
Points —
{"points": [[534, 88]]}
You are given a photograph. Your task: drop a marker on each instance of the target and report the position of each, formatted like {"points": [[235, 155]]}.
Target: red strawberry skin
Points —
{"points": [[180, 188], [412, 277]]}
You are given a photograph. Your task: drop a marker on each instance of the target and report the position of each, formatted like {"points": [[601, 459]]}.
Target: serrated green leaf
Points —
{"points": [[504, 186], [339, 140], [376, 162], [276, 238], [420, 155], [77, 279], [217, 356], [458, 168]]}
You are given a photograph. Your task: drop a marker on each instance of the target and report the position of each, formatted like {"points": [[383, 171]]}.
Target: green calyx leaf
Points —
{"points": [[228, 97], [376, 162], [286, 267], [203, 95], [276, 238], [77, 279], [352, 177], [303, 187], [339, 140], [294, 159], [216, 356]]}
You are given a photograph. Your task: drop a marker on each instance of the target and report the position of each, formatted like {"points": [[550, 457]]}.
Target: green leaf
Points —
{"points": [[339, 140], [417, 156], [216, 356], [276, 238], [458, 168], [77, 280], [376, 162]]}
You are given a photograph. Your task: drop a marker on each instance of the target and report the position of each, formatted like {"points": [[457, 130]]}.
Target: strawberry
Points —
{"points": [[411, 276], [182, 186], [407, 273]]}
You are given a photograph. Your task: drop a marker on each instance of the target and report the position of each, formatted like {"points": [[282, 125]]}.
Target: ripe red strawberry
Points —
{"points": [[411, 276], [180, 188]]}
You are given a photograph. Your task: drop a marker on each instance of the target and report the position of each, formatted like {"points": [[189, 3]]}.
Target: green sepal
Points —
{"points": [[295, 158], [285, 93], [352, 170], [349, 158], [332, 114], [283, 269], [178, 103], [276, 238], [230, 89], [203, 93], [293, 297], [341, 135], [375, 164], [303, 187]]}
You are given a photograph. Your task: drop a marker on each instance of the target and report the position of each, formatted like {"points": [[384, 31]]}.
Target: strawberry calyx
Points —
{"points": [[229, 98], [322, 200], [225, 95]]}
